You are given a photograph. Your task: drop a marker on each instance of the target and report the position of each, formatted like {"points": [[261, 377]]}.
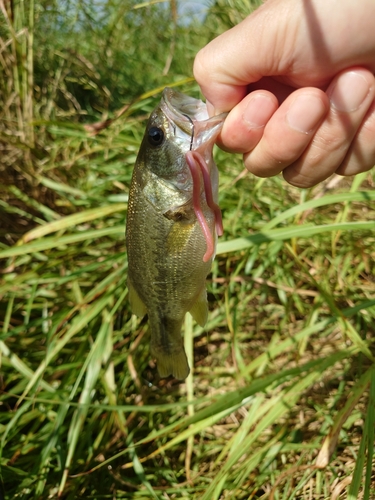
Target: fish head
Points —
{"points": [[195, 130], [177, 125]]}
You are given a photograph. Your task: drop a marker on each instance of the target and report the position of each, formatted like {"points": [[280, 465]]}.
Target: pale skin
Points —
{"points": [[297, 77]]}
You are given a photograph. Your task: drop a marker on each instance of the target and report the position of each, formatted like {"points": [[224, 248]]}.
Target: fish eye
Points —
{"points": [[155, 136]]}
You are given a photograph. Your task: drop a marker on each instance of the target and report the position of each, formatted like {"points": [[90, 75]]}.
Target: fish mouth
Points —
{"points": [[179, 106], [189, 119]]}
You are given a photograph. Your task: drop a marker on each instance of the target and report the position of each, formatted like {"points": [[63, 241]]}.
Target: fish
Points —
{"points": [[173, 221]]}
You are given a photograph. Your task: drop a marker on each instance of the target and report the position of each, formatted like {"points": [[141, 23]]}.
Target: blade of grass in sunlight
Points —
{"points": [[227, 404], [58, 242], [331, 439], [56, 346], [270, 412], [91, 369], [189, 349], [71, 221], [370, 422], [320, 202], [289, 232], [366, 449]]}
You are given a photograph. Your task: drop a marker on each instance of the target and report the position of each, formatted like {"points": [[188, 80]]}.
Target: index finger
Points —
{"points": [[240, 56]]}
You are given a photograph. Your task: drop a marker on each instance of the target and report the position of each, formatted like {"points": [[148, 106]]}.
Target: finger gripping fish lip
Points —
{"points": [[199, 170]]}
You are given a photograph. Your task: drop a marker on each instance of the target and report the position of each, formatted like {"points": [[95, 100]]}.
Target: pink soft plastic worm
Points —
{"points": [[192, 164], [208, 192], [195, 161]]}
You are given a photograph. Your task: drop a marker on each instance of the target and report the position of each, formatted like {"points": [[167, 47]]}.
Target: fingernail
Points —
{"points": [[258, 111], [305, 113], [349, 91]]}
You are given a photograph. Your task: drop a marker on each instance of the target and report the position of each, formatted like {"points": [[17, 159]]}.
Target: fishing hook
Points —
{"points": [[192, 130]]}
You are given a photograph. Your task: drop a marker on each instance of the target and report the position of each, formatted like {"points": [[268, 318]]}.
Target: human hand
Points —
{"points": [[298, 79]]}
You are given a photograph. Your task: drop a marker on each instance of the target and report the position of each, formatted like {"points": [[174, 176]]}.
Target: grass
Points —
{"points": [[280, 402]]}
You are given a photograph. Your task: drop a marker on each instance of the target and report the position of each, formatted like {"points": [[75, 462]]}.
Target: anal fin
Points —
{"points": [[199, 311]]}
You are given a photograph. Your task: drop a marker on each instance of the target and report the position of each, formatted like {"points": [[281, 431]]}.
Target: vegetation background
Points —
{"points": [[280, 403]]}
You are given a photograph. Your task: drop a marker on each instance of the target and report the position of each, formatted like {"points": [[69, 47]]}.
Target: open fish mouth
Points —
{"points": [[189, 119], [178, 105]]}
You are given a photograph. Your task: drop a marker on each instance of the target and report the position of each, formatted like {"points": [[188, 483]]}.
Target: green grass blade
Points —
{"points": [[58, 242], [368, 491], [57, 345], [288, 233], [320, 202], [71, 221]]}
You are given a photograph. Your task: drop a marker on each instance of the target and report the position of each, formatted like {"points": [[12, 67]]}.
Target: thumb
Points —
{"points": [[298, 43], [240, 56]]}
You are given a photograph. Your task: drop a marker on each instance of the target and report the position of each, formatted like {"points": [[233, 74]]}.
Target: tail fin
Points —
{"points": [[167, 346], [175, 364]]}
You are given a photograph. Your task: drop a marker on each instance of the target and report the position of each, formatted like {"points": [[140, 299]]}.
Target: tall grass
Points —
{"points": [[280, 402]]}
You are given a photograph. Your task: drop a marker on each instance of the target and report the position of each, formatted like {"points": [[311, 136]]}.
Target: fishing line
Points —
{"points": [[192, 130]]}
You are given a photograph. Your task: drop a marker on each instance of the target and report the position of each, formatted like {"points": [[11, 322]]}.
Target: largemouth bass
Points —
{"points": [[172, 223]]}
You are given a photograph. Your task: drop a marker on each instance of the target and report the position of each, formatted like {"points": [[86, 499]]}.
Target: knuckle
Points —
{"points": [[198, 68], [298, 179], [325, 143], [368, 126], [260, 166], [281, 154]]}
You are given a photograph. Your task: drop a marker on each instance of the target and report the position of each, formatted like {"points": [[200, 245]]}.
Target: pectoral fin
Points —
{"points": [[199, 311], [178, 236], [137, 306]]}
